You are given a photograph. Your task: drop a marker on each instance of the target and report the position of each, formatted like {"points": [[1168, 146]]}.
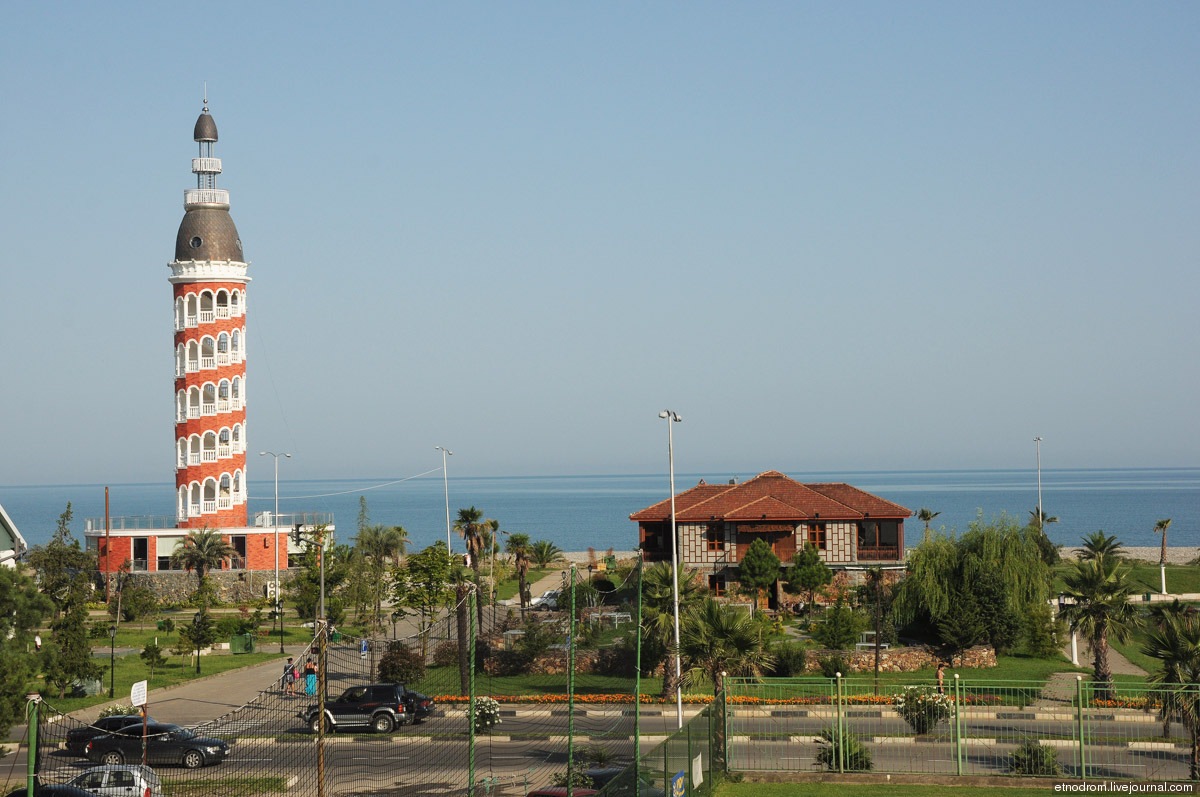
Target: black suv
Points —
{"points": [[380, 707]]}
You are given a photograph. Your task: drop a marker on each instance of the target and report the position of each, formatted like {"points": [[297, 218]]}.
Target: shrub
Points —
{"points": [[119, 711], [839, 627], [1032, 758], [445, 654], [487, 714], [401, 665], [923, 707], [790, 658], [857, 758], [832, 665]]}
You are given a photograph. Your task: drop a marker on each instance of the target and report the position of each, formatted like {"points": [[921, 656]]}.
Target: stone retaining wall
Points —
{"points": [[906, 659], [236, 586]]}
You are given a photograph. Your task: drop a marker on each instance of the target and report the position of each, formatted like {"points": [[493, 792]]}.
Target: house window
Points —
{"points": [[714, 539], [716, 585], [816, 535]]}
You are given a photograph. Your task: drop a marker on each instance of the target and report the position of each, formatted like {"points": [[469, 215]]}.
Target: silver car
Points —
{"points": [[120, 780]]}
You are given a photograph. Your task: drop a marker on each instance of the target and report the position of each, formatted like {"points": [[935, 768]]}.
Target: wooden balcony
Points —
{"points": [[878, 553]]}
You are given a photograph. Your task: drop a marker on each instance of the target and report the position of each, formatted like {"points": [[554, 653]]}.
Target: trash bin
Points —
{"points": [[241, 643]]}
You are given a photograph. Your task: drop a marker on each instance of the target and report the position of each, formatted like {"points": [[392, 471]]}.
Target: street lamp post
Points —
{"points": [[112, 660], [1037, 441], [673, 418], [275, 527], [446, 489]]}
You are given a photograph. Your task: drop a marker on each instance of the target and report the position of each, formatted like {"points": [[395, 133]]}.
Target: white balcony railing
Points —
{"points": [[209, 455], [208, 363], [224, 451], [193, 457], [193, 412], [193, 366], [207, 316], [205, 196], [194, 510], [206, 165], [225, 502], [222, 311], [210, 506], [209, 408], [223, 358], [223, 405], [192, 321]]}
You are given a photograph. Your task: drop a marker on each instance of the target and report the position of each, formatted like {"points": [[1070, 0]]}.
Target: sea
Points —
{"points": [[578, 513]]}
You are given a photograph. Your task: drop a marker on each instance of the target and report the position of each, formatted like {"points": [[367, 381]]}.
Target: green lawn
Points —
{"points": [[1180, 578]]}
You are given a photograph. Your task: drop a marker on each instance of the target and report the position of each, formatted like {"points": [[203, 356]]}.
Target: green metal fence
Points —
{"points": [[1064, 728]]}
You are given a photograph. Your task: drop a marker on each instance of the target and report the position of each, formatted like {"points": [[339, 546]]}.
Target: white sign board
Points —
{"points": [[137, 695]]}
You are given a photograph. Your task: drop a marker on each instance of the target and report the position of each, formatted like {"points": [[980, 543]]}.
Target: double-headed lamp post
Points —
{"points": [[1037, 441], [275, 527], [673, 418], [446, 489]]}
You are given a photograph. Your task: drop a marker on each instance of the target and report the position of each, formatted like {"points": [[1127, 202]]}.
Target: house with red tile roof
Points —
{"points": [[716, 524]]}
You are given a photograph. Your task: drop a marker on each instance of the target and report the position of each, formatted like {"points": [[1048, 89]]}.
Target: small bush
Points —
{"points": [[857, 757], [401, 665], [487, 714], [1032, 758], [119, 711], [832, 665], [445, 654], [923, 707], [790, 658]]}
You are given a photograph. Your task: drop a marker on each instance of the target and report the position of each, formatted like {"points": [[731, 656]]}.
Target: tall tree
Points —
{"points": [[60, 561], [518, 547], [808, 573], [380, 548], [1038, 518], [1100, 590], [202, 550], [475, 530], [1099, 544], [658, 616], [758, 570], [22, 610], [716, 639], [423, 584], [1161, 528], [1176, 643], [68, 656], [926, 516]]}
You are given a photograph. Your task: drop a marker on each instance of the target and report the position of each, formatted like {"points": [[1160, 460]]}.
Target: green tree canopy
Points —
{"points": [[59, 561], [808, 573], [22, 610], [1099, 590], [758, 570], [202, 550], [716, 638]]}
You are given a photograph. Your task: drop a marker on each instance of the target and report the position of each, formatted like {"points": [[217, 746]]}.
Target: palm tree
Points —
{"points": [[1099, 544], [716, 639], [927, 516], [202, 550], [1177, 644], [380, 548], [1100, 589], [476, 532], [1038, 518], [658, 612], [518, 547], [1161, 527], [544, 553]]}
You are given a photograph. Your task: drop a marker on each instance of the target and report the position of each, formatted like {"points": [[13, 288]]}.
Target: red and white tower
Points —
{"points": [[208, 278]]}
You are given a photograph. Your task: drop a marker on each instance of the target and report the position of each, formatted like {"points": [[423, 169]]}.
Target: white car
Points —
{"points": [[128, 780], [547, 600]]}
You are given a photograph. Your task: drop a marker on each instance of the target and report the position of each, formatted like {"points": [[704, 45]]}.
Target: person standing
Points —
{"points": [[310, 677], [941, 677], [289, 677]]}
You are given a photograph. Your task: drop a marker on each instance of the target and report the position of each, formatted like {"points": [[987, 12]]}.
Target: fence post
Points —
{"points": [[571, 690], [840, 732], [471, 619], [1079, 722], [958, 740], [31, 753]]}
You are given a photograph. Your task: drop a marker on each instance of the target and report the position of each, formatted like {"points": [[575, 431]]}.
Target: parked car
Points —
{"points": [[380, 707], [77, 738], [126, 780], [547, 600], [55, 790], [165, 744]]}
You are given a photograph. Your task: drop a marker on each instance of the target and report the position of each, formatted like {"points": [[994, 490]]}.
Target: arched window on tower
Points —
{"points": [[210, 447], [223, 403], [222, 303], [193, 357], [237, 394], [208, 352], [237, 439], [181, 406], [194, 450], [209, 402], [225, 499], [210, 496], [180, 316], [224, 449], [207, 313], [181, 446], [180, 360], [239, 495], [193, 410], [181, 504], [235, 339], [193, 310], [235, 303], [223, 349], [195, 503]]}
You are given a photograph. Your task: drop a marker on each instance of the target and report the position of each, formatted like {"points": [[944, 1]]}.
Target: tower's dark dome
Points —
{"points": [[208, 233], [206, 128]]}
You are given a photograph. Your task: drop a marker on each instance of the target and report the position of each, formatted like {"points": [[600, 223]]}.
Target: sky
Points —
{"points": [[831, 236]]}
